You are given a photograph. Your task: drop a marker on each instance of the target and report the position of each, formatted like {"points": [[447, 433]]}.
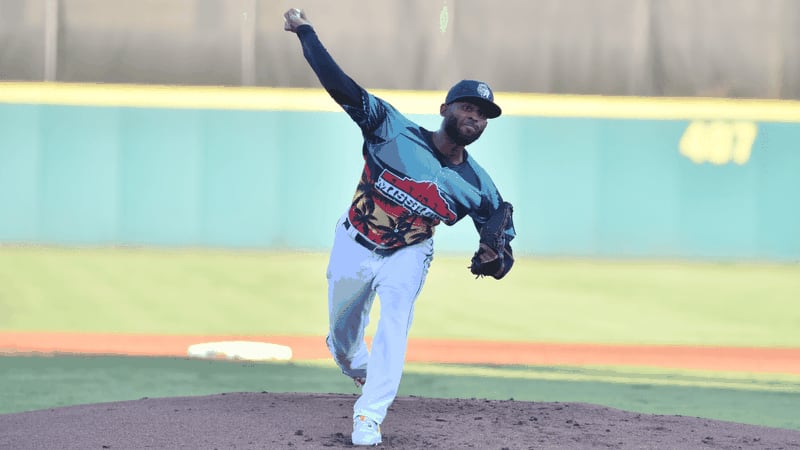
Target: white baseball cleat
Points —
{"points": [[366, 431]]}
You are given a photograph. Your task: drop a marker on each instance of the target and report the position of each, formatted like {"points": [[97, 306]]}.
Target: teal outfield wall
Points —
{"points": [[72, 175]]}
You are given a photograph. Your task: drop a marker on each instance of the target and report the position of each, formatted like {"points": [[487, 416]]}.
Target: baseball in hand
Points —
{"points": [[293, 18]]}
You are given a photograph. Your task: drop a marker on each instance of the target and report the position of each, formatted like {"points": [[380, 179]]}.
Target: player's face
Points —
{"points": [[464, 122]]}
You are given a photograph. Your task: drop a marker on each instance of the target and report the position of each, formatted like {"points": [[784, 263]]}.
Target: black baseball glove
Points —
{"points": [[494, 256]]}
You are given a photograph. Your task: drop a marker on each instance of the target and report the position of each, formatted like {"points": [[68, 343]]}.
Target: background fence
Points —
{"points": [[718, 48]]}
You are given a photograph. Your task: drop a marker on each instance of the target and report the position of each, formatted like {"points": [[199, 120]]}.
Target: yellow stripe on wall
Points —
{"points": [[160, 96], [411, 102], [665, 108]]}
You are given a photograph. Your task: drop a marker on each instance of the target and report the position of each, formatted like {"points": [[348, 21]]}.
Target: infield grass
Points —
{"points": [[137, 290], [141, 290], [30, 383]]}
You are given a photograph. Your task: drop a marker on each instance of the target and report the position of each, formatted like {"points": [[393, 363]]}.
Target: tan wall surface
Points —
{"points": [[718, 48]]}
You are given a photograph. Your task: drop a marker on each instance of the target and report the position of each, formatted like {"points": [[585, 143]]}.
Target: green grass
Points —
{"points": [[135, 290], [30, 383]]}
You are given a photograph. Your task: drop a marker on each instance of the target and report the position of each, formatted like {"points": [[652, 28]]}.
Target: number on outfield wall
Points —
{"points": [[718, 142]]}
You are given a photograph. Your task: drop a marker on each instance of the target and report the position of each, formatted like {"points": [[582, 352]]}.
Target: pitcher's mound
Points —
{"points": [[277, 421]]}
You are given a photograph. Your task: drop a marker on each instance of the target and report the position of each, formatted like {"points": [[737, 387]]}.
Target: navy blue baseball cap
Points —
{"points": [[476, 92]]}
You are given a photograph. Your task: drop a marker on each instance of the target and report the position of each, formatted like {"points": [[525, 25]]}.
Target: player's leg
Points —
{"points": [[398, 283], [350, 296]]}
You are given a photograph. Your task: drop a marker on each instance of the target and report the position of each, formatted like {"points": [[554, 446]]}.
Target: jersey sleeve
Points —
{"points": [[491, 201], [480, 220], [366, 110]]}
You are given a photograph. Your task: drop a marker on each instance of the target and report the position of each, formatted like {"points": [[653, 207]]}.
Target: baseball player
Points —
{"points": [[412, 180]]}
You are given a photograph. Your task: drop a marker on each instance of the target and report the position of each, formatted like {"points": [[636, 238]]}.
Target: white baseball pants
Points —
{"points": [[355, 275]]}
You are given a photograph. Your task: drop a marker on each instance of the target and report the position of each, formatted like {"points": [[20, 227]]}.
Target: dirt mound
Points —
{"points": [[272, 421]]}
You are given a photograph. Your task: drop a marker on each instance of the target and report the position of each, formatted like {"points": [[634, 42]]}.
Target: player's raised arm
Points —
{"points": [[341, 87]]}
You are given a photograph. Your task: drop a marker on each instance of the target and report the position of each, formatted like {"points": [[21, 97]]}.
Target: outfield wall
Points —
{"points": [[589, 176], [712, 48]]}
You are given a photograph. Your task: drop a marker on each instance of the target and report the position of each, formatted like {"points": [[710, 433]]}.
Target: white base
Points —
{"points": [[241, 350]]}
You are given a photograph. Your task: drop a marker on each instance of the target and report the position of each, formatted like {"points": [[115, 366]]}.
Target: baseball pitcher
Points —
{"points": [[413, 179]]}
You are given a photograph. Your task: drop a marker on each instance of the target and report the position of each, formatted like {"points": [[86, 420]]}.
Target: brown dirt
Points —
{"points": [[272, 421], [778, 360], [269, 420]]}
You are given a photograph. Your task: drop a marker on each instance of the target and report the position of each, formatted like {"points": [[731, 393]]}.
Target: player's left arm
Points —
{"points": [[494, 222], [504, 229], [494, 256]]}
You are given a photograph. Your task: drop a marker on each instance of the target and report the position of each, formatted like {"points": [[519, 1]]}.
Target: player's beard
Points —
{"points": [[451, 128]]}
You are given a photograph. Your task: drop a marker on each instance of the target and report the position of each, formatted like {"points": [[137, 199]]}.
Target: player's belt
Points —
{"points": [[369, 245]]}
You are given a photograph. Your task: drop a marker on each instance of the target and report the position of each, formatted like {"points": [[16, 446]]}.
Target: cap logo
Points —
{"points": [[484, 91]]}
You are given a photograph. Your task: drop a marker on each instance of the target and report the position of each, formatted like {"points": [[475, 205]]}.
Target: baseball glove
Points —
{"points": [[494, 256]]}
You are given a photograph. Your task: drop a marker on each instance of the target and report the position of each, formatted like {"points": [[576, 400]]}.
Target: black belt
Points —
{"points": [[369, 245]]}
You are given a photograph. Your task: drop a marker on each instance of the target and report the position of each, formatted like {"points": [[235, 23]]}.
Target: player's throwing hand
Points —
{"points": [[294, 18]]}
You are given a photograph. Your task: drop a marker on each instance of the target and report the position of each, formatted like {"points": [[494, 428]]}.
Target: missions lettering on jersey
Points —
{"points": [[394, 211], [421, 198]]}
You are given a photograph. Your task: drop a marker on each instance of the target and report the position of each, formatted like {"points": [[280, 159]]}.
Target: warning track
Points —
{"points": [[745, 359]]}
